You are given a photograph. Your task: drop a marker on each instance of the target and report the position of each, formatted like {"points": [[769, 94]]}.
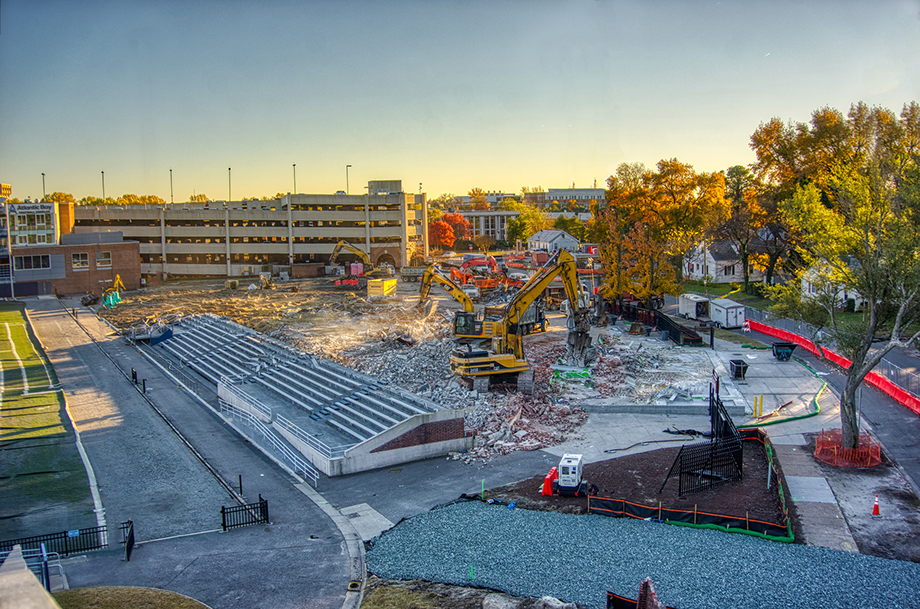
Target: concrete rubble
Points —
{"points": [[408, 345]]}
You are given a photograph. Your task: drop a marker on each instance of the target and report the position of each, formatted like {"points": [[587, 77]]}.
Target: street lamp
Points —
{"points": [[103, 188], [229, 187], [170, 186], [295, 178], [346, 178], [44, 196]]}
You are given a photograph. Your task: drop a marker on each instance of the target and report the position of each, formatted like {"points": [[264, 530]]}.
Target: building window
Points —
{"points": [[103, 259], [79, 261], [730, 270], [32, 262]]}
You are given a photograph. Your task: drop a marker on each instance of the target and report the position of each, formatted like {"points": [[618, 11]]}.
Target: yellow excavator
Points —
{"points": [[505, 361], [369, 270], [467, 323]]}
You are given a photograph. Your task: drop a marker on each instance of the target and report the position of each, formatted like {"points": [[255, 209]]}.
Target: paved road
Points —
{"points": [[147, 475], [895, 426]]}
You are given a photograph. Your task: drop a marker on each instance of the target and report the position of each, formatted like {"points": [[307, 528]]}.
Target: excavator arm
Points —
{"points": [[351, 249], [432, 275]]}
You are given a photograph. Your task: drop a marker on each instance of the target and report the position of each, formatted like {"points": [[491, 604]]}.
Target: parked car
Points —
{"points": [[449, 254], [471, 290]]}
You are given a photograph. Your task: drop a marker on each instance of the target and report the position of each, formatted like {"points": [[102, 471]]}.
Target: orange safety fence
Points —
{"points": [[829, 448], [878, 381]]}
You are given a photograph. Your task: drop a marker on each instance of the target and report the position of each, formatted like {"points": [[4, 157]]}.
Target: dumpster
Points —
{"points": [[783, 351], [738, 367]]}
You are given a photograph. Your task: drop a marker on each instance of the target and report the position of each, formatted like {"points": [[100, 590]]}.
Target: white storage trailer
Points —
{"points": [[693, 306], [727, 313]]}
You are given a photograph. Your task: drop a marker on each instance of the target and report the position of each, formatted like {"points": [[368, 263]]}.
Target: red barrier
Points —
{"points": [[548, 481], [878, 381]]}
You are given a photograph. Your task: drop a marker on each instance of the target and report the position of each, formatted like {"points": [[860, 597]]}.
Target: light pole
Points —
{"points": [[103, 188], [170, 186], [229, 185], [346, 178], [44, 196], [295, 178]]}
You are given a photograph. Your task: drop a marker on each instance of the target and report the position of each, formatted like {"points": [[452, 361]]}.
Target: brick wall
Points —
{"points": [[126, 262], [426, 433]]}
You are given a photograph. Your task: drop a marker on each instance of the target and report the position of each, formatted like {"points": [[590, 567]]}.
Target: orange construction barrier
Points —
{"points": [[548, 481]]}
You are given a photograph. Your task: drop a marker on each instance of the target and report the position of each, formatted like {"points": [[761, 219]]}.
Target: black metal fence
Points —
{"points": [[703, 465], [127, 538], [64, 543], [680, 334], [244, 515]]}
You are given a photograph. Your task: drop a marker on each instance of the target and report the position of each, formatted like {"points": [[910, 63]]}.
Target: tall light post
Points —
{"points": [[295, 178], [103, 188], [44, 196], [229, 196], [346, 178], [170, 186]]}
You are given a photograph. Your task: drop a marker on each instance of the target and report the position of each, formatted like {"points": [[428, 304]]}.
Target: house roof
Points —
{"points": [[723, 251], [550, 235]]}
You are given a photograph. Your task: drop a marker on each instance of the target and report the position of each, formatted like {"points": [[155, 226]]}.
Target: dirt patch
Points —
{"points": [[417, 594], [638, 478], [895, 532]]}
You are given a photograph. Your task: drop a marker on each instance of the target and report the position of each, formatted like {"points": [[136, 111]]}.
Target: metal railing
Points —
{"points": [[330, 452], [244, 515], [300, 466], [230, 386], [906, 380], [41, 563]]}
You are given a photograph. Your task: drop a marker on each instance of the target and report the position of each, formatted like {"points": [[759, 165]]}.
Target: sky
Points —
{"points": [[494, 94]]}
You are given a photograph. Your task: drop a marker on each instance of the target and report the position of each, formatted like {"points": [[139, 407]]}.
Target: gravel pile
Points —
{"points": [[578, 558]]}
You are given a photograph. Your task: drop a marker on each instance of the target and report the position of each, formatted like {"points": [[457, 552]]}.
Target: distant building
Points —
{"points": [[493, 197], [248, 237], [718, 262], [582, 196], [489, 223], [552, 240], [41, 256]]}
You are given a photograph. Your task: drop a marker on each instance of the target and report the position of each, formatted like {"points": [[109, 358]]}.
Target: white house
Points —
{"points": [[816, 282], [552, 240], [720, 261]]}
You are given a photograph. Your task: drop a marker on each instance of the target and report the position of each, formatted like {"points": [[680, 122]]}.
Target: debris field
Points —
{"points": [[408, 344]]}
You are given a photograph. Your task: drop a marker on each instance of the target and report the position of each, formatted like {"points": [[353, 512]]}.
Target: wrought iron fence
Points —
{"points": [[244, 515], [127, 538], [64, 543]]}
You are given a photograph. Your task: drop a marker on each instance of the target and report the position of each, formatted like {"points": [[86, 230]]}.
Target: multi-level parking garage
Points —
{"points": [[246, 237]]}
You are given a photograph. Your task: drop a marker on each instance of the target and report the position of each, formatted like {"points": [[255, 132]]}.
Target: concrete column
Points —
{"points": [[425, 252], [367, 225], [227, 237], [163, 239], [404, 223], [290, 220]]}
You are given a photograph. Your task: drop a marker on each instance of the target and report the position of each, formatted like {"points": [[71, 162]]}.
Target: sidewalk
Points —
{"points": [[146, 474]]}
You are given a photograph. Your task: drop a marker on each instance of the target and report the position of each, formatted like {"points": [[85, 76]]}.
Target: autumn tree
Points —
{"points": [[483, 242], [530, 217], [625, 196], [478, 200], [199, 198], [60, 197], [743, 219], [459, 225], [441, 234]]}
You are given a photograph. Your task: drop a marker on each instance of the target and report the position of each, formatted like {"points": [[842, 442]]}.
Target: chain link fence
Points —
{"points": [[905, 379]]}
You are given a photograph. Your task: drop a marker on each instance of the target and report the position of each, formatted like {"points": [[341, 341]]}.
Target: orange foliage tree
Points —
{"points": [[441, 234]]}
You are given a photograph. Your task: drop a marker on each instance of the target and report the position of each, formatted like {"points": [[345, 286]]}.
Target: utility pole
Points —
{"points": [[170, 186], [295, 178]]}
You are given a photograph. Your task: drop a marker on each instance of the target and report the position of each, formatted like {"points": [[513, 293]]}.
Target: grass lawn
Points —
{"points": [[43, 484]]}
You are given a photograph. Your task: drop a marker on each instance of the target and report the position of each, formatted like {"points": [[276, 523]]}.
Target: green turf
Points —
{"points": [[43, 484]]}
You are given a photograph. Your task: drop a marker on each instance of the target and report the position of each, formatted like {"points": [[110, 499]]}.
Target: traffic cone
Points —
{"points": [[875, 511]]}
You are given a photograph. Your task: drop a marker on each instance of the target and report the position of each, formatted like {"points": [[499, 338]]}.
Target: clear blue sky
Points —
{"points": [[453, 94]]}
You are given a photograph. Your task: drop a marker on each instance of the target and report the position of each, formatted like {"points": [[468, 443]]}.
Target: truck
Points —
{"points": [[412, 273]]}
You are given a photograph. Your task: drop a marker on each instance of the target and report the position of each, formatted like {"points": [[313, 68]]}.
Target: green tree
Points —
{"points": [[865, 243], [517, 229], [572, 226], [478, 200]]}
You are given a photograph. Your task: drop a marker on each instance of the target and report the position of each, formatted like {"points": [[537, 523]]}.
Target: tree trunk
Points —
{"points": [[849, 417]]}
